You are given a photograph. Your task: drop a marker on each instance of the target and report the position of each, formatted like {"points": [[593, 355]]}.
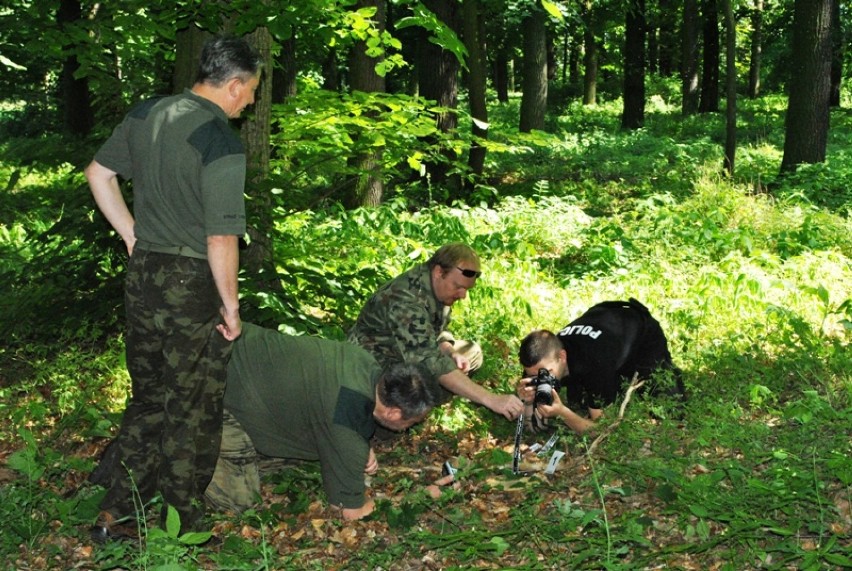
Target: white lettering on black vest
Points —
{"points": [[587, 330]]}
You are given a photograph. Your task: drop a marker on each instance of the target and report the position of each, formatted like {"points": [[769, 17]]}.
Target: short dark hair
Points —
{"points": [[538, 345], [407, 387], [226, 57], [450, 255]]}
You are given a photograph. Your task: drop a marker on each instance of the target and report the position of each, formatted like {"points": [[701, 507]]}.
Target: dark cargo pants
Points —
{"points": [[171, 429]]}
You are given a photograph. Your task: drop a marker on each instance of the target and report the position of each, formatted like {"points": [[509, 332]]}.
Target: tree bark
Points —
{"points": [[668, 42], [731, 88], [188, 44], [710, 70], [74, 96], [285, 73], [590, 57], [756, 49], [476, 83], [689, 58], [633, 115], [254, 131], [438, 70], [806, 134], [367, 187], [837, 55], [534, 98]]}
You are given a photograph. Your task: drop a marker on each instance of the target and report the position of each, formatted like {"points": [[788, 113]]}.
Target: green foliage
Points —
{"points": [[750, 286]]}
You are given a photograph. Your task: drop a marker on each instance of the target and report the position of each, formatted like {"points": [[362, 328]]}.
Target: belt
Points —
{"points": [[185, 251]]}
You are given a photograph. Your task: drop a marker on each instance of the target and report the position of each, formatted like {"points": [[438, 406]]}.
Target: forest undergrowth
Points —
{"points": [[749, 278]]}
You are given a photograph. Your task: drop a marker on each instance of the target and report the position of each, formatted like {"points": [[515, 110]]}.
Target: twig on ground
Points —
{"points": [[634, 384]]}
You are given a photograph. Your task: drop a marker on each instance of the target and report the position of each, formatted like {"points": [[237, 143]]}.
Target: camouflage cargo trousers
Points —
{"points": [[236, 481], [171, 429]]}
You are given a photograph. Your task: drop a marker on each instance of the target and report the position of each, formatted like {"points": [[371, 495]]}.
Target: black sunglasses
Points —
{"points": [[469, 273]]}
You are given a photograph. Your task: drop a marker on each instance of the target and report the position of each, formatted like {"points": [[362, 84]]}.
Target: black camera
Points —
{"points": [[544, 384]]}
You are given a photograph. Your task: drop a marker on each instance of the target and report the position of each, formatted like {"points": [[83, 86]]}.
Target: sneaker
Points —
{"points": [[107, 528]]}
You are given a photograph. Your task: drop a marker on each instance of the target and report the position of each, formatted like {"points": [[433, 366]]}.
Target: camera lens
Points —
{"points": [[544, 394]]}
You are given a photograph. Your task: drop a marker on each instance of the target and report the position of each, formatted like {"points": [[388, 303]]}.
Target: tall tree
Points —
{"points": [[806, 133], [476, 79], [667, 14], [731, 87], [756, 49], [710, 68], [689, 58], [633, 115], [367, 186], [534, 97], [837, 54], [286, 71], [438, 72], [590, 56], [75, 99]]}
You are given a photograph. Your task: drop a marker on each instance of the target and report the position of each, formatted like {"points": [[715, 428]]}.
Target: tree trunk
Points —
{"points": [[476, 76], [653, 49], [366, 187], [668, 42], [837, 55], [438, 71], [633, 115], [255, 131], [590, 57], [534, 98], [188, 44], [285, 73], [731, 87], [756, 49], [501, 74], [689, 58], [330, 71], [74, 96], [807, 122], [710, 70]]}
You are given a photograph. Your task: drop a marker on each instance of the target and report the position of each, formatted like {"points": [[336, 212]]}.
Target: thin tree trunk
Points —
{"points": [[731, 88], [668, 43], [710, 70], [476, 84], [590, 58], [756, 49], [837, 55], [367, 186], [75, 99], [633, 115], [689, 58], [285, 73], [534, 99], [438, 70]]}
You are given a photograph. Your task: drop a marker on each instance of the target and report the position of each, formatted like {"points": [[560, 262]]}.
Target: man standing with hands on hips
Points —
{"points": [[181, 295]]}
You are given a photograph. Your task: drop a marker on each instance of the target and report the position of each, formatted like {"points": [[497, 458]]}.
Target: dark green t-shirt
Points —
{"points": [[188, 169], [306, 398]]}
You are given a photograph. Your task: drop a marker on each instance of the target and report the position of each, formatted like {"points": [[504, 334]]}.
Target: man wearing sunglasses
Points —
{"points": [[406, 321]]}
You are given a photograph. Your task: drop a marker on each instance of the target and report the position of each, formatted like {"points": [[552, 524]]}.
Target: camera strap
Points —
{"points": [[516, 456]]}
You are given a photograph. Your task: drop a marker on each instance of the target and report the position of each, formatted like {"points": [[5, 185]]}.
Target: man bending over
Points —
{"points": [[308, 398]]}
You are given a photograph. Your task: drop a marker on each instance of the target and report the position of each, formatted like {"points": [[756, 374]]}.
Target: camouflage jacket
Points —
{"points": [[404, 322]]}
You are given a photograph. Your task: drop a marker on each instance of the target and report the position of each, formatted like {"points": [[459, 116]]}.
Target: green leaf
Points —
{"points": [[553, 9], [699, 510], [500, 545]]}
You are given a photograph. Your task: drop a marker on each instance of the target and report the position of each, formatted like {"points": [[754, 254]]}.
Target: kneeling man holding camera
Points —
{"points": [[593, 357]]}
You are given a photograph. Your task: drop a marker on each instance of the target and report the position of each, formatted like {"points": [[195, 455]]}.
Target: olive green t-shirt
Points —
{"points": [[188, 169], [306, 398]]}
